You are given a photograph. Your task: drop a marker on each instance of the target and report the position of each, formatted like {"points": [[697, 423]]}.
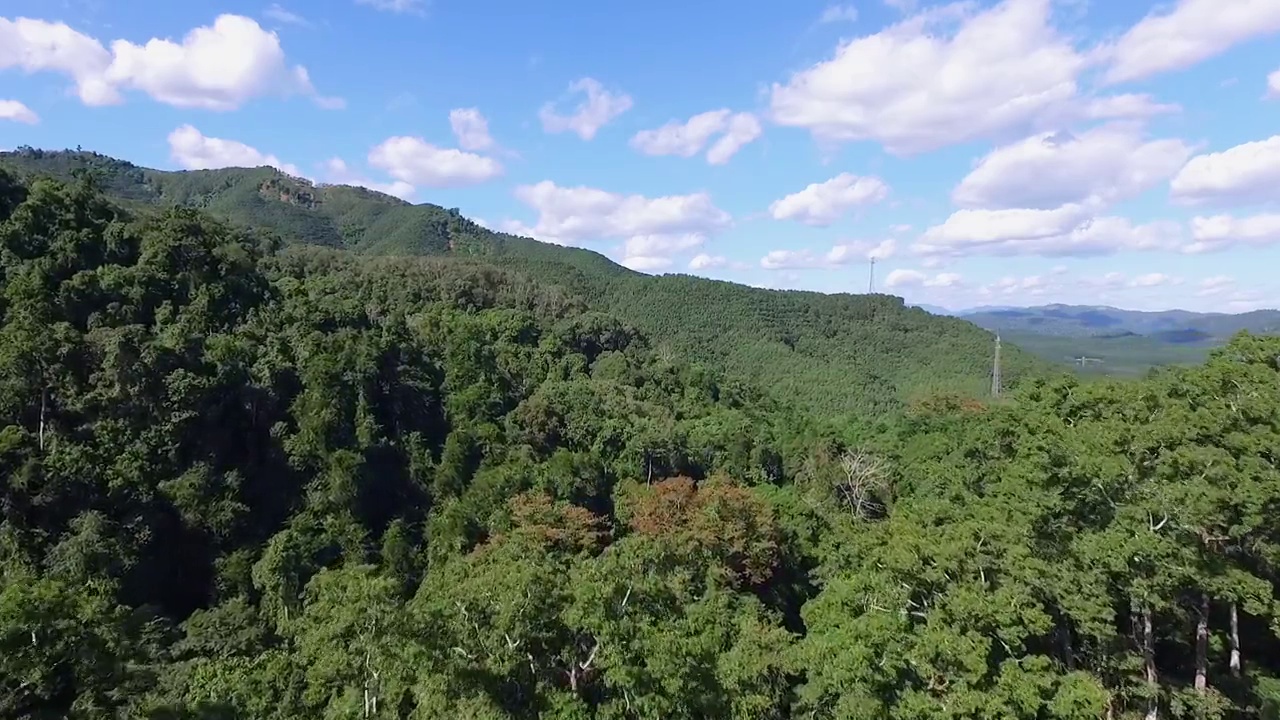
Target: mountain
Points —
{"points": [[1108, 340], [1173, 326], [842, 355]]}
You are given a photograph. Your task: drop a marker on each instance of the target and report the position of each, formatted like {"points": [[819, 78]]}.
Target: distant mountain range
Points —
{"points": [[1180, 327], [1103, 340]]}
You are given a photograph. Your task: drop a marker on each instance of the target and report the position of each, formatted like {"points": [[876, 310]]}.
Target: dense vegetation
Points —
{"points": [[843, 355], [240, 482]]}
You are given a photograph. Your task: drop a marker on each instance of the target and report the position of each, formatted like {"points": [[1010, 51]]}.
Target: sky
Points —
{"points": [[982, 152]]}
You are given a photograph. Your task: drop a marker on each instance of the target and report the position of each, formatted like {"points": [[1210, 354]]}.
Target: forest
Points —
{"points": [[845, 356], [244, 477]]}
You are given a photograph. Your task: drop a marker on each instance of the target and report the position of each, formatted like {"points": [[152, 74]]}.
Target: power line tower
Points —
{"points": [[995, 370], [871, 277]]}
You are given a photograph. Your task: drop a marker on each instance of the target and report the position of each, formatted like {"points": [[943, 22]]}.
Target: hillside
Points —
{"points": [[840, 354]]}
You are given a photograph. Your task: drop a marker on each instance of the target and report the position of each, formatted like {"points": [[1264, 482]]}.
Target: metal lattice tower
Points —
{"points": [[995, 370], [871, 277]]}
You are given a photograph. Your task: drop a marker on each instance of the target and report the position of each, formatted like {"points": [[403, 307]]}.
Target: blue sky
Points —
{"points": [[1015, 153]]}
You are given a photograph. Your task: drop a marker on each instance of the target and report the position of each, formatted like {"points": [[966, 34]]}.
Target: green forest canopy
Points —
{"points": [[246, 483], [842, 355]]}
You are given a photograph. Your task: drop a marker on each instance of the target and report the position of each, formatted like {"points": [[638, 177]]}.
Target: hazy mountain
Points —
{"points": [[1171, 326]]}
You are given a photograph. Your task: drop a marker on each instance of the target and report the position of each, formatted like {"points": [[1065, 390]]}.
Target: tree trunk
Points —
{"points": [[1068, 651], [1202, 646], [44, 398], [1235, 641], [1149, 663]]}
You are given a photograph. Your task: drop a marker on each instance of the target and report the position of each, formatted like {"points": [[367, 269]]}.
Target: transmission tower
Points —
{"points": [[995, 370], [871, 277]]}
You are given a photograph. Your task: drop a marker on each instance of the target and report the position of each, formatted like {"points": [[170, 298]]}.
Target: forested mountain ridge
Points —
{"points": [[1172, 326], [841, 354], [243, 483]]}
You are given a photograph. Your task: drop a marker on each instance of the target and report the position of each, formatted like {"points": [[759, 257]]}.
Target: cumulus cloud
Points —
{"points": [[823, 203], [1214, 285], [902, 277], [1150, 289], [838, 255], [1246, 173], [1223, 232], [1069, 230], [704, 261], [471, 129], [947, 75], [216, 67], [17, 112], [338, 173], [652, 252], [1097, 167], [596, 110], [653, 230], [1189, 32], [194, 151], [418, 162], [646, 263], [1128, 105], [688, 138]]}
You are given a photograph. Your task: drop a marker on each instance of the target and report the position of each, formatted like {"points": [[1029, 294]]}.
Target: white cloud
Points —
{"points": [[703, 261], [411, 7], [652, 252], [823, 203], [1128, 105], [1194, 30], [337, 173], [839, 13], [646, 263], [1273, 85], [1215, 285], [1222, 232], [687, 139], [16, 111], [921, 84], [862, 250], [278, 13], [837, 256], [418, 162], [471, 129], [902, 277], [1154, 279], [1149, 290], [597, 110], [215, 67], [41, 46], [1096, 167], [1070, 230], [194, 151], [901, 5], [650, 226], [1243, 174], [743, 129]]}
